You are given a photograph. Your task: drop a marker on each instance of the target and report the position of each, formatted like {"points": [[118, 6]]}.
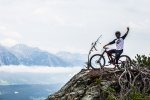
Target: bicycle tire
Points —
{"points": [[125, 64], [100, 65]]}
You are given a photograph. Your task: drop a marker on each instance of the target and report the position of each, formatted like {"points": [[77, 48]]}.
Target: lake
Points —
{"points": [[33, 83]]}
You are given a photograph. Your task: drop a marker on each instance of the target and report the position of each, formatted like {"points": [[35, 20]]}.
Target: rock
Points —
{"points": [[96, 94], [105, 84], [81, 92], [60, 94], [63, 98], [90, 85], [87, 97], [73, 94]]}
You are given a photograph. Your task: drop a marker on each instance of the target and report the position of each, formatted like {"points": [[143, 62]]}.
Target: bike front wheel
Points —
{"points": [[97, 61]]}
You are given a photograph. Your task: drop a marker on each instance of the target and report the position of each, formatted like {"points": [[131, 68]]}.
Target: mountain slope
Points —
{"points": [[34, 56], [7, 58]]}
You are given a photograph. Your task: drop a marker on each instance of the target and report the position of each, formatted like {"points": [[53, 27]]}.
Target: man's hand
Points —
{"points": [[128, 29]]}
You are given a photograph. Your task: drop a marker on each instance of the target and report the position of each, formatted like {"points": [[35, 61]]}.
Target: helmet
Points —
{"points": [[118, 33]]}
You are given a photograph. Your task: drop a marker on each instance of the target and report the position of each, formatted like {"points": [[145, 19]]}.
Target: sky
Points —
{"points": [[71, 25]]}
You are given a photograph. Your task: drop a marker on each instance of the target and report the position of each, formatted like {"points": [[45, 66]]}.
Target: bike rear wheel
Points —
{"points": [[124, 62], [97, 61]]}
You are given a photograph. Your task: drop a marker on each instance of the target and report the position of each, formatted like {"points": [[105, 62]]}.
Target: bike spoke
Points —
{"points": [[97, 61]]}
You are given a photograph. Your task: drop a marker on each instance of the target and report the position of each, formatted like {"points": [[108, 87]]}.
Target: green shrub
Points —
{"points": [[111, 90], [111, 98], [135, 95], [142, 61], [98, 80]]}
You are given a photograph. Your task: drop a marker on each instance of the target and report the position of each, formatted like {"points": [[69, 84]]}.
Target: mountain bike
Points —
{"points": [[99, 61]]}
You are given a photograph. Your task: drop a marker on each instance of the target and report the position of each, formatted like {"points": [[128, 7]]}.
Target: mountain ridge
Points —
{"points": [[21, 54]]}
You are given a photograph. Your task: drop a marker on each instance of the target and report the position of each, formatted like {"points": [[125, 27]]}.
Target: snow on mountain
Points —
{"points": [[21, 54], [7, 58], [33, 56]]}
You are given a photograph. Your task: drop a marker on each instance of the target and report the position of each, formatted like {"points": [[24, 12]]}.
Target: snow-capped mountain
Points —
{"points": [[21, 54], [33, 56], [7, 58]]}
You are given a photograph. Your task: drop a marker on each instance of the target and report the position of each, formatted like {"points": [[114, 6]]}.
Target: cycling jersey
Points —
{"points": [[119, 42]]}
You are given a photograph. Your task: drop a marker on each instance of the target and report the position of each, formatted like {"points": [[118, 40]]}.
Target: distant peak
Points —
{"points": [[20, 45]]}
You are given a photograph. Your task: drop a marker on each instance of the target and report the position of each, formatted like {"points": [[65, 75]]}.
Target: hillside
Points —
{"points": [[106, 84]]}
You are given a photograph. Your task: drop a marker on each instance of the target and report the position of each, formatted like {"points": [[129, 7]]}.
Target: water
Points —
{"points": [[27, 92], [33, 83]]}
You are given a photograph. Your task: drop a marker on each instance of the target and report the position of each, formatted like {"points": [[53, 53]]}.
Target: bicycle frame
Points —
{"points": [[110, 58]]}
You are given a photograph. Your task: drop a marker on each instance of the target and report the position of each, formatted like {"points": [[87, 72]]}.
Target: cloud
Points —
{"points": [[42, 69], [36, 75], [3, 82], [8, 33], [40, 11], [12, 34], [3, 28], [8, 42], [46, 23], [8, 36]]}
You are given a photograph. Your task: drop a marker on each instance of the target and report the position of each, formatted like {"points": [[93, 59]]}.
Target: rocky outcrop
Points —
{"points": [[106, 84], [86, 85]]}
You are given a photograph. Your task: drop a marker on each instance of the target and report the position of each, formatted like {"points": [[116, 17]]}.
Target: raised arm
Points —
{"points": [[124, 36]]}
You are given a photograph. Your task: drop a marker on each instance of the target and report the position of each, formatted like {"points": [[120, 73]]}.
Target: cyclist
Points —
{"points": [[119, 41]]}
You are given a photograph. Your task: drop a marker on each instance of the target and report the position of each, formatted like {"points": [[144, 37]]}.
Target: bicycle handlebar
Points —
{"points": [[105, 48]]}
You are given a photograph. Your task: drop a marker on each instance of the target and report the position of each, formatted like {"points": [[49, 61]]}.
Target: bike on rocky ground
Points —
{"points": [[99, 60]]}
